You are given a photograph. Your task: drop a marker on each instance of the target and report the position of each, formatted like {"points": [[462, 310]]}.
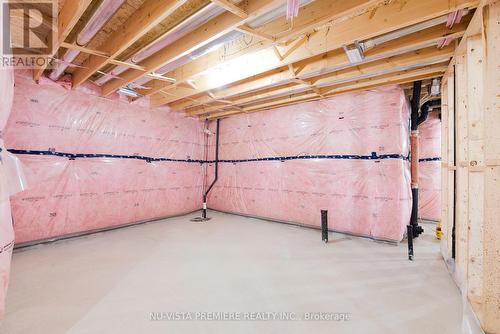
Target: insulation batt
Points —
{"points": [[429, 176], [68, 196], [363, 196], [6, 233]]}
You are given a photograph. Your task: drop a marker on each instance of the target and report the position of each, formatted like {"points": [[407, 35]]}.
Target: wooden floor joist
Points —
{"points": [[279, 58], [411, 60], [148, 16], [230, 7], [311, 16], [393, 78], [325, 63], [253, 32], [388, 18], [68, 17], [197, 38]]}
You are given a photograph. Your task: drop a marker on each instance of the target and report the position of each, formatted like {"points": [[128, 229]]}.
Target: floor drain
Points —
{"points": [[199, 219]]}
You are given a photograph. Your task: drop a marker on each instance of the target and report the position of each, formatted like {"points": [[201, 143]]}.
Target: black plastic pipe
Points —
{"points": [[453, 228], [412, 228], [324, 225], [415, 104], [205, 195], [425, 109]]}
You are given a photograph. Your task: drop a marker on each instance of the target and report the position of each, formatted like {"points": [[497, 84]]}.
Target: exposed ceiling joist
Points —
{"points": [[253, 32], [326, 63], [147, 17], [387, 18], [231, 7], [313, 15], [84, 49], [411, 60], [388, 79], [200, 36], [68, 17]]}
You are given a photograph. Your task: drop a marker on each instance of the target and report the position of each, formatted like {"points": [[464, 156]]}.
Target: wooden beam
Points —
{"points": [[387, 18], [366, 83], [491, 123], [103, 55], [69, 15], [392, 79], [144, 19], [260, 95], [252, 32], [197, 38], [427, 56], [160, 77], [315, 14], [129, 65], [300, 42], [231, 7], [327, 63], [409, 61], [84, 49]]}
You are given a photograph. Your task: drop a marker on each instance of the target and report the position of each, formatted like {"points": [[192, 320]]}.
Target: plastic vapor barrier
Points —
{"points": [[92, 162], [347, 154], [429, 176], [74, 162], [6, 233]]}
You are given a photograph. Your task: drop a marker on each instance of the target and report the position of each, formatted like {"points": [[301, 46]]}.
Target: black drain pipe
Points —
{"points": [[453, 228], [204, 214], [324, 226], [425, 109], [413, 230]]}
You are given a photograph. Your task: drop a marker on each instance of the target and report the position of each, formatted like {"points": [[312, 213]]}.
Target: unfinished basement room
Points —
{"points": [[250, 166]]}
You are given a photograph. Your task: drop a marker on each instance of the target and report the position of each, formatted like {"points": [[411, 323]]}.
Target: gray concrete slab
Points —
{"points": [[111, 282]]}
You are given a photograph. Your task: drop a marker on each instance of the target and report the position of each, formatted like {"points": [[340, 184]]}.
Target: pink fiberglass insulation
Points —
{"points": [[429, 175], [79, 193], [6, 233], [346, 154]]}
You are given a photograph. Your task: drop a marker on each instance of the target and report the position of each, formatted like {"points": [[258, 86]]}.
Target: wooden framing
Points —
{"points": [[325, 63], [84, 49], [357, 85], [314, 15], [282, 63], [413, 59], [471, 182], [230, 7], [387, 18], [69, 15], [337, 60], [247, 30], [148, 16], [197, 38]]}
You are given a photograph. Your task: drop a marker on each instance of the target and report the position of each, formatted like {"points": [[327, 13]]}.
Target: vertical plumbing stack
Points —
{"points": [[216, 175], [413, 229]]}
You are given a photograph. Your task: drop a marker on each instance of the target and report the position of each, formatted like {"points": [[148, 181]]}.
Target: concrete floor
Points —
{"points": [[111, 282]]}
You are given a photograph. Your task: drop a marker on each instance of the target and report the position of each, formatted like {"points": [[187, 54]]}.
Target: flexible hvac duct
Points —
{"points": [[212, 46], [101, 16], [202, 16], [292, 9], [194, 21], [370, 43]]}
